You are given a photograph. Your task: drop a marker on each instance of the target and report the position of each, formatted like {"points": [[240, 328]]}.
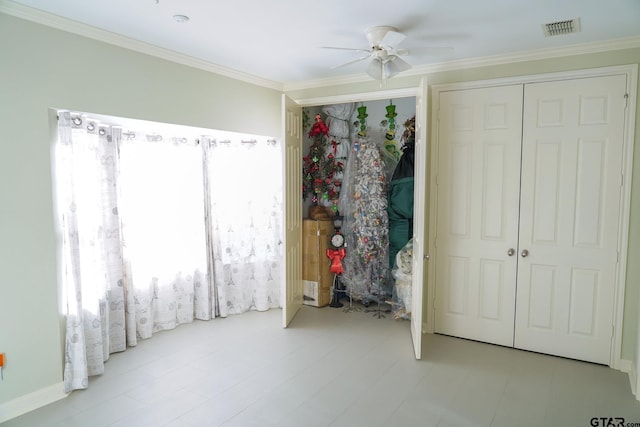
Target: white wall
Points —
{"points": [[42, 68]]}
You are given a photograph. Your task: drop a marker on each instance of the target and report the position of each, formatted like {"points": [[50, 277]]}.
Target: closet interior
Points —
{"points": [[358, 164]]}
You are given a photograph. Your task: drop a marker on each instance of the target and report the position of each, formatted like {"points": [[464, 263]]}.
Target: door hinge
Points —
{"points": [[626, 100]]}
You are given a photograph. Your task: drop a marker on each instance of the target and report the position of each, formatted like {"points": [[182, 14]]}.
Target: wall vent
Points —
{"points": [[561, 27]]}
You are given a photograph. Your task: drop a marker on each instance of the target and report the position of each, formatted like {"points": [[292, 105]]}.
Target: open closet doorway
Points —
{"points": [[417, 95]]}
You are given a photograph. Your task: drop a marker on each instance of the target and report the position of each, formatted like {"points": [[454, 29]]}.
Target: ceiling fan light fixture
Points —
{"points": [[387, 68], [396, 65], [374, 69]]}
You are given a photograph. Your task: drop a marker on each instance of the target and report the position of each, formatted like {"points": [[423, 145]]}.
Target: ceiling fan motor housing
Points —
{"points": [[375, 35], [381, 54]]}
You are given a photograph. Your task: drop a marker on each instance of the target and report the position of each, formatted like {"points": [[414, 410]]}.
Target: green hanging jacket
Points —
{"points": [[400, 206]]}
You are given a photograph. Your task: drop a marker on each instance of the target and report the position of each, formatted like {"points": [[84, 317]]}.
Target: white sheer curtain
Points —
{"points": [[246, 217], [160, 230], [93, 276], [162, 204]]}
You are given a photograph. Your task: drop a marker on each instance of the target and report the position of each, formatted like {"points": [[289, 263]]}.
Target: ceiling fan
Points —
{"points": [[384, 57]]}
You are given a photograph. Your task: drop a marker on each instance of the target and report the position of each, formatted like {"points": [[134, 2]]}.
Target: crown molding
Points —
{"points": [[485, 61], [329, 81], [54, 21], [531, 55]]}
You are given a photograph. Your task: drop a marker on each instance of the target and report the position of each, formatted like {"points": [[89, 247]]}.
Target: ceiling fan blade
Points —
{"points": [[351, 62], [392, 38], [345, 48]]}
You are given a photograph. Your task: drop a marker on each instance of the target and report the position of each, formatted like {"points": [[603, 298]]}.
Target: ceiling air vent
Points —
{"points": [[561, 27]]}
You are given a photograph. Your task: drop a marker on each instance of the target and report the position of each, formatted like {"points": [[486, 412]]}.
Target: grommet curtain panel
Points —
{"points": [[245, 213], [92, 262], [158, 230]]}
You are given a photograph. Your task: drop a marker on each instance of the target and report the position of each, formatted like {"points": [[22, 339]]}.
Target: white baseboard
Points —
{"points": [[628, 367], [29, 402], [624, 365]]}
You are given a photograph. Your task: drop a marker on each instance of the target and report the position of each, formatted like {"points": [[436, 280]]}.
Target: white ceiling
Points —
{"points": [[282, 40]]}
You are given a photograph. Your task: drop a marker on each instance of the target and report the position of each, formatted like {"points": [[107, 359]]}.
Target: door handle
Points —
{"points": [[524, 253], [511, 251]]}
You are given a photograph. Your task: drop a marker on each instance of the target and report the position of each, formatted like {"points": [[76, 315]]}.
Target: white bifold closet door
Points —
{"points": [[528, 213]]}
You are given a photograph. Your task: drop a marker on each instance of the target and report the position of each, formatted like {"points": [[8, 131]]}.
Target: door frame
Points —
{"points": [[631, 72], [419, 92]]}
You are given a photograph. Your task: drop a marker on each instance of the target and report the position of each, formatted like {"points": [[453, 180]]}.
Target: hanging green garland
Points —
{"points": [[390, 143], [362, 121]]}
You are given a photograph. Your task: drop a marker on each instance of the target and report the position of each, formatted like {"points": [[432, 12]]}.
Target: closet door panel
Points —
{"points": [[547, 163], [292, 288], [478, 184], [460, 178], [541, 296], [419, 219], [570, 205]]}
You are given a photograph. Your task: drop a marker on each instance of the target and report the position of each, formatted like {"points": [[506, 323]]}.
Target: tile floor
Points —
{"points": [[335, 368]]}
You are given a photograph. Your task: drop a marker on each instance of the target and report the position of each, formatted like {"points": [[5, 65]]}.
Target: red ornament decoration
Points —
{"points": [[336, 256], [318, 128]]}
